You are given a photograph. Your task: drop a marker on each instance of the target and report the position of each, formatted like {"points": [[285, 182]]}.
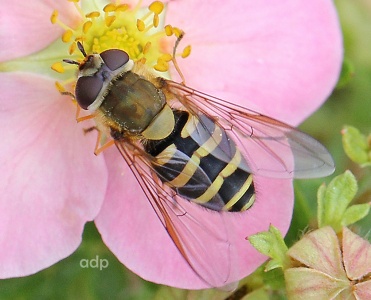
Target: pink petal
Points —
{"points": [[363, 290], [133, 232], [51, 181], [281, 58], [25, 26], [356, 255], [320, 250], [309, 284]]}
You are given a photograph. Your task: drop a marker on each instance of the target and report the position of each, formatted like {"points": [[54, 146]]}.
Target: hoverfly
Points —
{"points": [[184, 146]]}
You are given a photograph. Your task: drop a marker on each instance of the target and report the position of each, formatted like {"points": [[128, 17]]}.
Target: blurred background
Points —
{"points": [[350, 104]]}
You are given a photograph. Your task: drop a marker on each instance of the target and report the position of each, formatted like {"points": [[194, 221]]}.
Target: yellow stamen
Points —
{"points": [[58, 67], [146, 16], [146, 47], [186, 52], [166, 57], [140, 25], [156, 7], [77, 7], [156, 20], [138, 6], [109, 8], [54, 17], [54, 20], [67, 35], [177, 32], [60, 87], [122, 7], [109, 20], [92, 15], [142, 61], [87, 25], [168, 30], [161, 66], [72, 48]]}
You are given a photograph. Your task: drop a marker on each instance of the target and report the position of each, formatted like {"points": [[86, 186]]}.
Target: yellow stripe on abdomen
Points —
{"points": [[239, 195], [214, 188], [194, 162]]}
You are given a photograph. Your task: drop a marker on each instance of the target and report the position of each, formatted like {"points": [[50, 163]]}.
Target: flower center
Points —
{"points": [[136, 30]]}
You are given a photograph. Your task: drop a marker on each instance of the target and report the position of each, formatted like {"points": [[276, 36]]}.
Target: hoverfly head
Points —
{"points": [[95, 73]]}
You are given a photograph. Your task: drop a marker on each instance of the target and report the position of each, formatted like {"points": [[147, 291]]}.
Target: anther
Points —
{"points": [[186, 51], [86, 26], [156, 7], [109, 8], [156, 20], [92, 15], [109, 20], [58, 67], [146, 47], [122, 7], [54, 17], [168, 30], [67, 35], [140, 25]]}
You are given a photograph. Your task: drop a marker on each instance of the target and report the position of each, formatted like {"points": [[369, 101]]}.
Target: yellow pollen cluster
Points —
{"points": [[118, 26]]}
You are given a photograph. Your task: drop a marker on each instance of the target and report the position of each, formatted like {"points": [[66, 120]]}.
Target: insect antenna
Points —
{"points": [[72, 62], [81, 48]]}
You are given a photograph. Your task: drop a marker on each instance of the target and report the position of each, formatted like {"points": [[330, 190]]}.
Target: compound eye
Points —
{"points": [[114, 58], [87, 90]]}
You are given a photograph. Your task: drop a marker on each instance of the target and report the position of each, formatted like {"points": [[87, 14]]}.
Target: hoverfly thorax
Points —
{"points": [[132, 105]]}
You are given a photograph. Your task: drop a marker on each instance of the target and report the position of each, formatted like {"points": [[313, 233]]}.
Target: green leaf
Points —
{"points": [[320, 203], [355, 213], [274, 279], [261, 294], [271, 244], [167, 292], [303, 212], [347, 73], [334, 200], [356, 145]]}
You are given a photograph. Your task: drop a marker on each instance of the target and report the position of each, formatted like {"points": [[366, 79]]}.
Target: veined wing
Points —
{"points": [[272, 148], [202, 242]]}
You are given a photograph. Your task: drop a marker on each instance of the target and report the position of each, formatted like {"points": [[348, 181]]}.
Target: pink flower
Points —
{"points": [[282, 59], [329, 267]]}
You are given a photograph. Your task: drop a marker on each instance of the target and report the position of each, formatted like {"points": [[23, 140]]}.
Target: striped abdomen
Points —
{"points": [[203, 164]]}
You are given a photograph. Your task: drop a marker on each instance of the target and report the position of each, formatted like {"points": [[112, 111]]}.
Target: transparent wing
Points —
{"points": [[202, 241], [271, 148]]}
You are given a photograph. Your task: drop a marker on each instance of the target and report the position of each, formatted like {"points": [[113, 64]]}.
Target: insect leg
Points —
{"points": [[84, 118], [78, 109], [98, 148], [65, 93]]}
